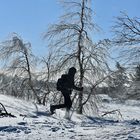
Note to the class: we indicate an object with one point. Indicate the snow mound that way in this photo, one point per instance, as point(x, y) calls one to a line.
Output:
point(33, 122)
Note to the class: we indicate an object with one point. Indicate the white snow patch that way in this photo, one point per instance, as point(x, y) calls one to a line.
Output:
point(39, 125)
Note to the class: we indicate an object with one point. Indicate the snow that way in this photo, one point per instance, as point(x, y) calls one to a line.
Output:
point(33, 122)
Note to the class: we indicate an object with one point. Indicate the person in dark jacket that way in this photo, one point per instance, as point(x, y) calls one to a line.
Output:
point(66, 92)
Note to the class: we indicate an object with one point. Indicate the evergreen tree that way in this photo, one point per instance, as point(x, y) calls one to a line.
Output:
point(117, 81)
point(134, 90)
point(137, 73)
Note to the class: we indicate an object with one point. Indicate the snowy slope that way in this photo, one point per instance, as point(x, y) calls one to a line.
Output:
point(39, 125)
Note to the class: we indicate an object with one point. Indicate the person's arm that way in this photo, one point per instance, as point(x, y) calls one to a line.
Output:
point(74, 86)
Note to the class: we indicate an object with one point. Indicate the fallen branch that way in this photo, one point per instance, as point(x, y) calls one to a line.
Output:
point(5, 113)
point(111, 112)
point(22, 115)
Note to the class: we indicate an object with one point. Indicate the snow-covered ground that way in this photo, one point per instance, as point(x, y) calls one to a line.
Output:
point(33, 122)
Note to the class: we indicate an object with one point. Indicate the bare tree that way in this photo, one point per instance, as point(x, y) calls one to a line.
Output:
point(71, 41)
point(19, 59)
point(46, 75)
point(127, 34)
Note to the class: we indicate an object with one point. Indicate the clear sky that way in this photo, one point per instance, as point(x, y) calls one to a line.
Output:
point(30, 18)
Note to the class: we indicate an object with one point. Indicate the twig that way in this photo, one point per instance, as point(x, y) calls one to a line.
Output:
point(111, 112)
point(22, 115)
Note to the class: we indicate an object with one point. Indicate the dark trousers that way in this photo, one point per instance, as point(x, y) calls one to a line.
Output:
point(67, 101)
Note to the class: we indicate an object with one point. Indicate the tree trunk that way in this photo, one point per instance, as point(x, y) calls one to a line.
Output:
point(80, 60)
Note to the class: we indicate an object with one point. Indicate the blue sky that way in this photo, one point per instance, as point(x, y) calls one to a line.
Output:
point(30, 18)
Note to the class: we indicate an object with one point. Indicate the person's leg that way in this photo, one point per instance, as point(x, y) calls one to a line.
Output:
point(53, 107)
point(68, 104)
point(67, 101)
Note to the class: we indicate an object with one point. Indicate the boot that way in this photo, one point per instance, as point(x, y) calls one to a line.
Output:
point(52, 109)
